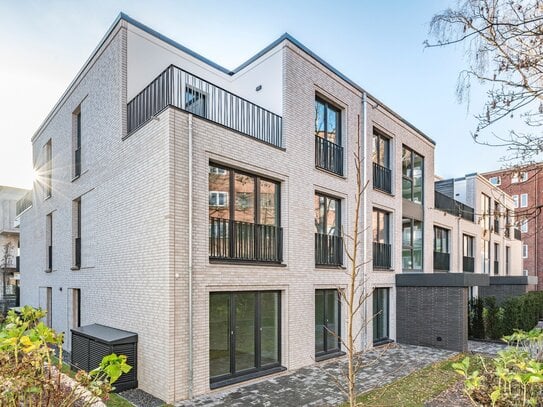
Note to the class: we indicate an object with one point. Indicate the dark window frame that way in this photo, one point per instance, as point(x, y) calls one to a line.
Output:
point(376, 318)
point(411, 247)
point(445, 237)
point(411, 179)
point(468, 245)
point(247, 374)
point(385, 142)
point(338, 214)
point(329, 351)
point(387, 216)
point(329, 105)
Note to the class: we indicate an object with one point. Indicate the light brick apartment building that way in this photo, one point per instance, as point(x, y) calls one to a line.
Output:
point(523, 185)
point(9, 246)
point(202, 209)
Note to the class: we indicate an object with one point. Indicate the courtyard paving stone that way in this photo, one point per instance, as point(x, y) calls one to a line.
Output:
point(314, 386)
point(487, 348)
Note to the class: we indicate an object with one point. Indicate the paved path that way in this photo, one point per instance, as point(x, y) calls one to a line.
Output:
point(488, 348)
point(314, 386)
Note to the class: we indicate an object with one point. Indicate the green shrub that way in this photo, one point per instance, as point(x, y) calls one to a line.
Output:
point(488, 320)
point(29, 375)
point(513, 378)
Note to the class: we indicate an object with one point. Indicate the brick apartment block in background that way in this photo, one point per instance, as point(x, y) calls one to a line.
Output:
point(202, 209)
point(525, 185)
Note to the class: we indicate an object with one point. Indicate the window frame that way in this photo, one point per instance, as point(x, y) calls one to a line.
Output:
point(411, 179)
point(524, 251)
point(443, 238)
point(498, 180)
point(329, 105)
point(411, 247)
point(329, 351)
point(524, 200)
point(376, 318)
point(384, 148)
point(468, 246)
point(337, 213)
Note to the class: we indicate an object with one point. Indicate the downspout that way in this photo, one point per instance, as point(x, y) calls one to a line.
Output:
point(191, 372)
point(365, 184)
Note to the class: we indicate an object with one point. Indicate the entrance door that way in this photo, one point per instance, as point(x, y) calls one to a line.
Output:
point(327, 322)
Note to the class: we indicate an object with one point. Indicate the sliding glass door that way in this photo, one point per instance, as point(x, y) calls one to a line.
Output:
point(380, 314)
point(244, 333)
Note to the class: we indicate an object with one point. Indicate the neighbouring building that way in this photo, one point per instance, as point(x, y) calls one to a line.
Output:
point(204, 209)
point(523, 184)
point(9, 246)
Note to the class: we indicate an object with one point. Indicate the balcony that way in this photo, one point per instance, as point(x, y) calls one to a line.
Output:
point(175, 87)
point(442, 261)
point(517, 234)
point(328, 250)
point(24, 203)
point(382, 178)
point(242, 241)
point(382, 255)
point(468, 264)
point(453, 207)
point(328, 156)
point(496, 267)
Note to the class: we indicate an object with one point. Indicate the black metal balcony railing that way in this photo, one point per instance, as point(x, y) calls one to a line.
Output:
point(517, 234)
point(449, 205)
point(77, 163)
point(468, 264)
point(231, 240)
point(382, 255)
point(496, 267)
point(77, 252)
point(328, 155)
point(24, 203)
point(382, 178)
point(442, 261)
point(175, 87)
point(50, 257)
point(328, 250)
point(496, 226)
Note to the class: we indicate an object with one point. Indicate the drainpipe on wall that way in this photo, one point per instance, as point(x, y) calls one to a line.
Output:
point(191, 372)
point(365, 183)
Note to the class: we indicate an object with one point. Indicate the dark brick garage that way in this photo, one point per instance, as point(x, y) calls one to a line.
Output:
point(431, 308)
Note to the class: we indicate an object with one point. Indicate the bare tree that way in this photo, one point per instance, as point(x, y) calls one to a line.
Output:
point(503, 42)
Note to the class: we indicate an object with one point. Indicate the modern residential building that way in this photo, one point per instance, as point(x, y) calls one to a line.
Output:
point(207, 211)
point(9, 246)
point(523, 184)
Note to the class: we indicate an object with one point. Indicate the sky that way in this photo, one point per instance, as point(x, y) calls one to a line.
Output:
point(379, 45)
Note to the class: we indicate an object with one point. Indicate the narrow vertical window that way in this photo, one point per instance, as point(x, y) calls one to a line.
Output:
point(49, 241)
point(507, 260)
point(77, 233)
point(328, 149)
point(327, 322)
point(441, 249)
point(77, 143)
point(468, 252)
point(412, 173)
point(486, 215)
point(382, 179)
point(328, 240)
point(496, 259)
point(49, 307)
point(412, 241)
point(48, 169)
point(76, 307)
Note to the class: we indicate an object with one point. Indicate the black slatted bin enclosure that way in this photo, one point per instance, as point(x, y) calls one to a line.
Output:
point(91, 343)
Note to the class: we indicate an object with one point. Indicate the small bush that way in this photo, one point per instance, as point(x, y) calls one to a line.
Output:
point(30, 377)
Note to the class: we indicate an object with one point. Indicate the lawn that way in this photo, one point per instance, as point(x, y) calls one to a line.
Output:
point(416, 388)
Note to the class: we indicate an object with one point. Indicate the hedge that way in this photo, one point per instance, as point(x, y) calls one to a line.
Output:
point(488, 320)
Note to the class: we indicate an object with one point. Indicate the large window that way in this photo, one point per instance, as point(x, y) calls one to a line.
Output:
point(381, 239)
point(244, 216)
point(328, 242)
point(441, 249)
point(468, 253)
point(244, 334)
point(382, 178)
point(412, 173)
point(485, 256)
point(381, 303)
point(486, 215)
point(327, 322)
point(328, 149)
point(411, 244)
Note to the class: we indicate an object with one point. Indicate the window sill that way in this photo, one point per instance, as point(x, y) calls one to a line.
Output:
point(327, 356)
point(249, 376)
point(48, 271)
point(383, 269)
point(75, 178)
point(75, 268)
point(246, 263)
point(382, 342)
point(383, 191)
point(330, 267)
